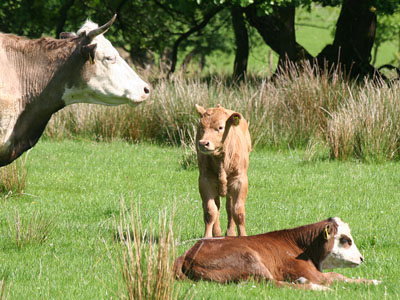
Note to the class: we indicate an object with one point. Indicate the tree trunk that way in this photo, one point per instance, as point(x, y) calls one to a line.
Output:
point(242, 43)
point(277, 30)
point(63, 17)
point(354, 39)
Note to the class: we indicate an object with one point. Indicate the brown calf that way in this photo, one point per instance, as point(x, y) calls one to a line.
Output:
point(223, 145)
point(296, 255)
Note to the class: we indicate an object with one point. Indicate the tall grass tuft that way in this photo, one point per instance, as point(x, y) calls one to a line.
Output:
point(367, 125)
point(29, 229)
point(13, 177)
point(3, 295)
point(145, 258)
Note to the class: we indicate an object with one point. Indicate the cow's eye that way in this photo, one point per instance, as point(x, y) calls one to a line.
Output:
point(345, 240)
point(110, 59)
point(220, 128)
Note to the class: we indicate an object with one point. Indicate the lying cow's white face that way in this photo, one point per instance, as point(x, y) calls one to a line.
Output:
point(109, 80)
point(345, 252)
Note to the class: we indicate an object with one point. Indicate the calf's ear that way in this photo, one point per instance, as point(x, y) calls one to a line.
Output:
point(234, 119)
point(200, 109)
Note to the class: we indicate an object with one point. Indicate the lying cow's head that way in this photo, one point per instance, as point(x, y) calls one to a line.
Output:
point(213, 128)
point(344, 252)
point(106, 78)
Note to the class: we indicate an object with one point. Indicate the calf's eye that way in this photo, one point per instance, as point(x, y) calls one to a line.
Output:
point(221, 128)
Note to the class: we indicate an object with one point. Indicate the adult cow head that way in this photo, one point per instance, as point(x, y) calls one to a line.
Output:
point(106, 78)
point(46, 74)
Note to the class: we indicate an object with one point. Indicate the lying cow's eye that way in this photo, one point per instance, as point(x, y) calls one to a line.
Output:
point(221, 128)
point(345, 240)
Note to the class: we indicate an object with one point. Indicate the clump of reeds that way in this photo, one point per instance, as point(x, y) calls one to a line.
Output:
point(29, 229)
point(13, 177)
point(3, 295)
point(189, 155)
point(367, 125)
point(300, 105)
point(145, 258)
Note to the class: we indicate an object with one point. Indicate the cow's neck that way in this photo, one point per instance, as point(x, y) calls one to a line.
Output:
point(41, 83)
point(36, 63)
point(311, 242)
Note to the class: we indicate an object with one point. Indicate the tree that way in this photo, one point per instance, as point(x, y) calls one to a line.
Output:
point(354, 37)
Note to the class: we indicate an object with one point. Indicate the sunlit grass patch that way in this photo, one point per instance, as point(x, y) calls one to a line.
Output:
point(24, 230)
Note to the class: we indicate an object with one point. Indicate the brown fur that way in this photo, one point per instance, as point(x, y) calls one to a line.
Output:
point(223, 171)
point(287, 255)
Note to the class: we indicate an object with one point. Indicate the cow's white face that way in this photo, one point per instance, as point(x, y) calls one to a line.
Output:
point(109, 80)
point(345, 252)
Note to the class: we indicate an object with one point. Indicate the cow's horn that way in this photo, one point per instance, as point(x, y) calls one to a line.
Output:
point(102, 29)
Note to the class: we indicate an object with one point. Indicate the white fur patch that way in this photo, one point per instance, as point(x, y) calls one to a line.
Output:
point(112, 81)
point(340, 256)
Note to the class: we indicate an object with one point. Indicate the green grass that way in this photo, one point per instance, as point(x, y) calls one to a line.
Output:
point(78, 185)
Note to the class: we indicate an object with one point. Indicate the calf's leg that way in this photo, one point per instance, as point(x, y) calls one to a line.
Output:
point(238, 191)
point(230, 231)
point(211, 204)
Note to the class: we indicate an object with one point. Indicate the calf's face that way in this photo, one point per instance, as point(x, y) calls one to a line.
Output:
point(344, 252)
point(213, 128)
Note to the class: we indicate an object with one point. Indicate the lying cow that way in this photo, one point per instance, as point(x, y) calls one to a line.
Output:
point(296, 255)
point(223, 145)
point(39, 77)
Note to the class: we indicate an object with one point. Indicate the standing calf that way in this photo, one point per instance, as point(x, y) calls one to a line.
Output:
point(296, 255)
point(223, 145)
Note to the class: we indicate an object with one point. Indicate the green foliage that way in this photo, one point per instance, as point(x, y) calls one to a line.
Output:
point(149, 39)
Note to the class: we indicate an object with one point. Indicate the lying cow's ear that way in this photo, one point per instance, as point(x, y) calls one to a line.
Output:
point(88, 52)
point(234, 119)
point(67, 35)
point(200, 109)
point(327, 232)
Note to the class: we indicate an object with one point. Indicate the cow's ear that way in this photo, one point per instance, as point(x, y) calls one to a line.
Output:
point(327, 232)
point(89, 52)
point(67, 35)
point(234, 119)
point(200, 109)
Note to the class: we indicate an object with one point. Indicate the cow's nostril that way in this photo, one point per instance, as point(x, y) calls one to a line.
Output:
point(146, 90)
point(361, 259)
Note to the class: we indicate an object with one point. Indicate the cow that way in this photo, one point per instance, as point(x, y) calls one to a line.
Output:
point(296, 255)
point(39, 77)
point(223, 145)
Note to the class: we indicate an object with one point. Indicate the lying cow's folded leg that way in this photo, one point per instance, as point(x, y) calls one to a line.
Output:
point(332, 276)
point(302, 286)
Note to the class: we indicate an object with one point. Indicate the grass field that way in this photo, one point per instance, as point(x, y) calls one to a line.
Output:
point(77, 187)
